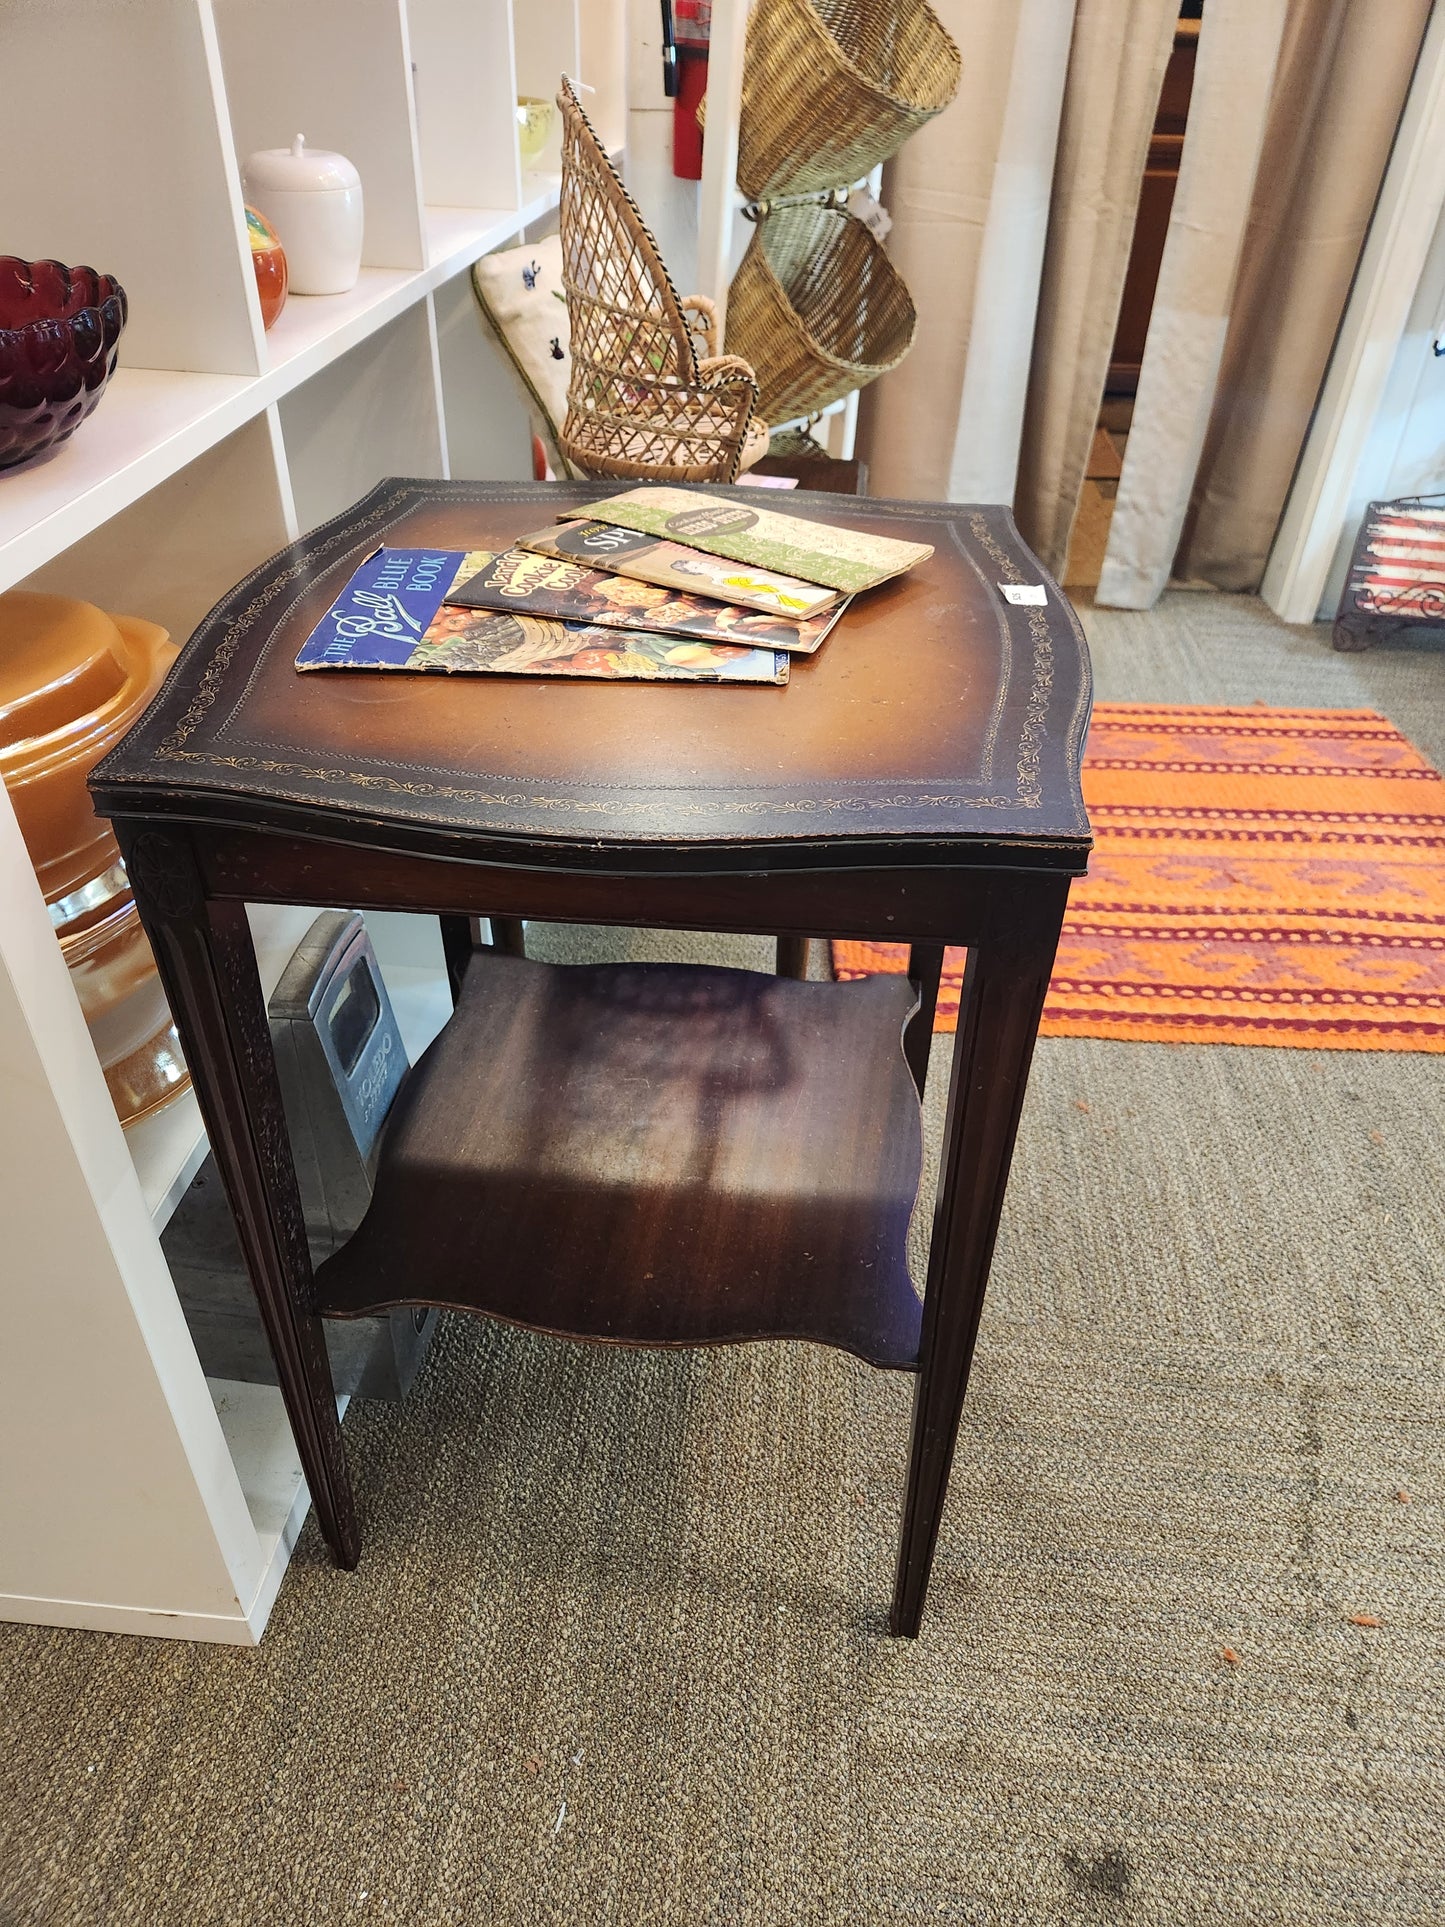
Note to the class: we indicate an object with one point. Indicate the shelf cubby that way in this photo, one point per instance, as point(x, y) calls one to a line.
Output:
point(548, 45)
point(489, 434)
point(375, 411)
point(602, 52)
point(336, 71)
point(116, 153)
point(171, 555)
point(466, 97)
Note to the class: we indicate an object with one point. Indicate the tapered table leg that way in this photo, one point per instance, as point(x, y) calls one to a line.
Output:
point(925, 969)
point(509, 935)
point(1003, 994)
point(792, 957)
point(460, 937)
point(208, 966)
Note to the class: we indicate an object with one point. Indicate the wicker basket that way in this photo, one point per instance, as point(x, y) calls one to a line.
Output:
point(817, 308)
point(832, 87)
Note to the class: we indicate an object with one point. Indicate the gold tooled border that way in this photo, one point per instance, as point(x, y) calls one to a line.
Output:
point(343, 530)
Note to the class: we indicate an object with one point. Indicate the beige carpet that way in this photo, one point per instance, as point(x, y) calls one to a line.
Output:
point(616, 1650)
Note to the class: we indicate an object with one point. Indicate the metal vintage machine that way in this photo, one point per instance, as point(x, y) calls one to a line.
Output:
point(341, 1062)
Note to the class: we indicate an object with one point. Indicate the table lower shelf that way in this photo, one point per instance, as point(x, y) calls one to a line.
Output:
point(653, 1154)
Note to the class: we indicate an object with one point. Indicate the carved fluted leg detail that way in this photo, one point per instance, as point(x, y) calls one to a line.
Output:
point(460, 937)
point(509, 935)
point(208, 966)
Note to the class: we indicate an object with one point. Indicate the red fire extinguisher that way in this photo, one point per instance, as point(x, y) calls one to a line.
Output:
point(686, 27)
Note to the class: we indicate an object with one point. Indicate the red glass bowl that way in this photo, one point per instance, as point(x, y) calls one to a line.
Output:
point(59, 329)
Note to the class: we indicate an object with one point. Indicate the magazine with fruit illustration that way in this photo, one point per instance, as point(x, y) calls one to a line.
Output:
point(393, 614)
point(598, 545)
point(519, 582)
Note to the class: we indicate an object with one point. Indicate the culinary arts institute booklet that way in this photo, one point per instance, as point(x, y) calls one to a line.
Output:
point(523, 583)
point(394, 614)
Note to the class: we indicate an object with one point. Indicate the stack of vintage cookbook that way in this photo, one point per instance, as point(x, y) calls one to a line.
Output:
point(658, 584)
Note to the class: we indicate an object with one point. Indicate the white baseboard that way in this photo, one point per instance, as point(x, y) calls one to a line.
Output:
point(258, 1433)
point(260, 1439)
point(87, 1615)
point(227, 1629)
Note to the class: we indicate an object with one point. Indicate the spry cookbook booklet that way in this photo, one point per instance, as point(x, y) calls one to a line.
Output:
point(523, 582)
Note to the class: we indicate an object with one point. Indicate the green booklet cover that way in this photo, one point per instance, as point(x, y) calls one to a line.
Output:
point(822, 552)
point(522, 583)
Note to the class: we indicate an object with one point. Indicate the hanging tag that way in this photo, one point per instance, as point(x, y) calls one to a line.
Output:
point(876, 218)
point(1024, 595)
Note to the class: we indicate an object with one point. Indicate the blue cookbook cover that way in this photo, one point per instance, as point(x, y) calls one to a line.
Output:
point(393, 614)
point(384, 610)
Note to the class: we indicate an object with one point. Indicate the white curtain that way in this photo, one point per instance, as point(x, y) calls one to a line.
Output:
point(1237, 349)
point(1012, 219)
point(990, 424)
point(1344, 74)
point(946, 191)
point(1295, 106)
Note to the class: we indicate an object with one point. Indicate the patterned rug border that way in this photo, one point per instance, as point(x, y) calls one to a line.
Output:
point(1315, 950)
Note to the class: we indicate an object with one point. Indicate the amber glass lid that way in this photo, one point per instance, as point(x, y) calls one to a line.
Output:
point(60, 662)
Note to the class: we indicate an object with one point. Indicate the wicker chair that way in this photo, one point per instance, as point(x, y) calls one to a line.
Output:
point(641, 404)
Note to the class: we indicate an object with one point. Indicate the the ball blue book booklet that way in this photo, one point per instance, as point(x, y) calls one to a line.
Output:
point(394, 614)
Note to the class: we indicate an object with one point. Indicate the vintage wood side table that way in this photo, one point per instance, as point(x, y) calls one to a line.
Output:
point(640, 1154)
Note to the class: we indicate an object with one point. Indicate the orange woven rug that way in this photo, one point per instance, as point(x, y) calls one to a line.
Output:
point(1259, 876)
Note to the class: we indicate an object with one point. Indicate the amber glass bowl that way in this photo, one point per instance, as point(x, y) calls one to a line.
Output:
point(59, 328)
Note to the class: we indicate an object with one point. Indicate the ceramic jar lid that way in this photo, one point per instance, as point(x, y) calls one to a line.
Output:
point(72, 681)
point(298, 169)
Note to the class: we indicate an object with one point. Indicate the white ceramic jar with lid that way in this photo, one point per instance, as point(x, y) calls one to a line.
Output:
point(313, 200)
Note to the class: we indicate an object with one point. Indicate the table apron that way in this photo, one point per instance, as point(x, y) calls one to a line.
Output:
point(893, 902)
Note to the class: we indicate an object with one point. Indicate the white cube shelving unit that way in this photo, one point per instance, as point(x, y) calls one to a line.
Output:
point(132, 1497)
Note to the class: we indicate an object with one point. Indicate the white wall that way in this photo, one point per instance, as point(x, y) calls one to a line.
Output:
point(669, 206)
point(1405, 453)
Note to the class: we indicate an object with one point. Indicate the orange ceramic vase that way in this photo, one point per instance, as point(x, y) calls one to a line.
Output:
point(72, 681)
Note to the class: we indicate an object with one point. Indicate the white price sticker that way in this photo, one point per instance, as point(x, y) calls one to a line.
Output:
point(1024, 595)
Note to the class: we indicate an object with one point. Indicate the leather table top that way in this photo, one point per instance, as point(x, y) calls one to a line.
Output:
point(936, 717)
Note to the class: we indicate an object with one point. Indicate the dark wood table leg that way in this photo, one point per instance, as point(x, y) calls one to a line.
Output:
point(460, 937)
point(509, 935)
point(925, 968)
point(208, 966)
point(1003, 994)
point(793, 957)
